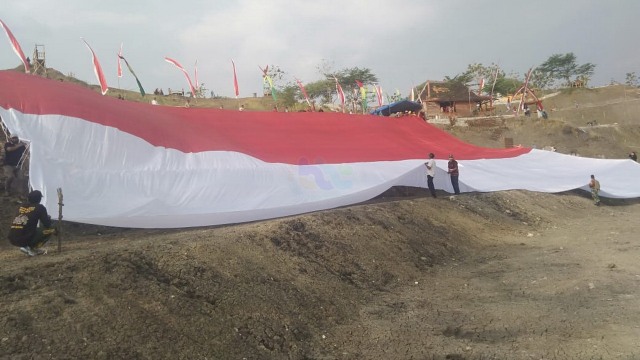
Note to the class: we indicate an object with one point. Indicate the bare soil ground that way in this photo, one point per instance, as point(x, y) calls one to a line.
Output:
point(509, 275)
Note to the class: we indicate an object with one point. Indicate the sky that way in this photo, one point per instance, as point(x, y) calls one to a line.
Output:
point(402, 42)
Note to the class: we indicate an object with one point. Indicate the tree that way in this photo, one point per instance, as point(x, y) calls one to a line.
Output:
point(288, 95)
point(504, 84)
point(278, 78)
point(325, 89)
point(562, 67)
point(541, 79)
point(321, 89)
point(631, 79)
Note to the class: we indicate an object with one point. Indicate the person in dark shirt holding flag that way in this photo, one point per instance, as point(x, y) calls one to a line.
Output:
point(452, 169)
point(13, 151)
point(25, 231)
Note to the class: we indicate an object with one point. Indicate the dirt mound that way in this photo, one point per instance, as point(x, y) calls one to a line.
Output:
point(370, 281)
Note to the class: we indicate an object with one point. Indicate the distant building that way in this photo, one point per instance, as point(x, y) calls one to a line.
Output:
point(451, 98)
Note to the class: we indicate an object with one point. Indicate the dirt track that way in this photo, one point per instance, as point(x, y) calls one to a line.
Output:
point(512, 275)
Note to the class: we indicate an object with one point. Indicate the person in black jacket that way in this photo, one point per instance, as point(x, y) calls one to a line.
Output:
point(13, 150)
point(25, 231)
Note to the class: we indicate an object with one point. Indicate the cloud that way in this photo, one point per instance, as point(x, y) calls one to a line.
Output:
point(403, 42)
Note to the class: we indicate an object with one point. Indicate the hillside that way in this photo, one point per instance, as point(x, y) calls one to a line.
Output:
point(510, 275)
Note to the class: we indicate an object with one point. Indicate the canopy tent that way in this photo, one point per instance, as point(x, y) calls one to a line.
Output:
point(396, 107)
point(131, 164)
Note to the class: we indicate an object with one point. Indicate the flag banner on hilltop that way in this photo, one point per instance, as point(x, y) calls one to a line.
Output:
point(142, 92)
point(186, 74)
point(363, 95)
point(16, 47)
point(304, 92)
point(236, 89)
point(195, 75)
point(340, 93)
point(378, 89)
point(266, 79)
point(131, 164)
point(119, 63)
point(97, 69)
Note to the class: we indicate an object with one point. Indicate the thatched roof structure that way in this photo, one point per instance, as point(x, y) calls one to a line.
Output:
point(439, 91)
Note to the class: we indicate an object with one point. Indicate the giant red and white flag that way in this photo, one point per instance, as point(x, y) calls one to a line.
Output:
point(97, 69)
point(16, 47)
point(130, 164)
point(186, 74)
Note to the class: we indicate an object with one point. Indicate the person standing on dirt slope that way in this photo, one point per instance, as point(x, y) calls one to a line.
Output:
point(633, 156)
point(595, 189)
point(454, 173)
point(13, 151)
point(25, 231)
point(431, 173)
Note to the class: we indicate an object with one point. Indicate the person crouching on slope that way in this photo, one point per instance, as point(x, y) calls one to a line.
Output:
point(594, 185)
point(25, 231)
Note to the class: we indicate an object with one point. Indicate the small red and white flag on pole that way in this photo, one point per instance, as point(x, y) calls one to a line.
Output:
point(16, 47)
point(177, 64)
point(97, 69)
point(481, 86)
point(236, 90)
point(119, 64)
point(340, 93)
point(379, 94)
point(195, 73)
point(304, 92)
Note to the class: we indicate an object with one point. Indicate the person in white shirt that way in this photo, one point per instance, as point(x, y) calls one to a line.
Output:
point(431, 173)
